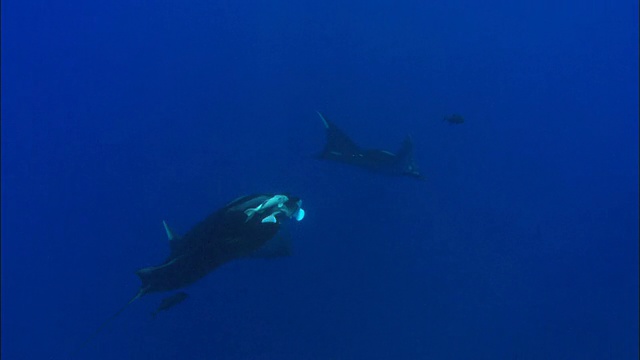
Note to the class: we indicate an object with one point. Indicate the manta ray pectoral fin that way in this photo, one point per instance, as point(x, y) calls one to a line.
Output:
point(278, 246)
point(170, 234)
point(145, 272)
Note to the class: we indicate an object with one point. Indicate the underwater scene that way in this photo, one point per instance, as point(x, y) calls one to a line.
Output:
point(319, 180)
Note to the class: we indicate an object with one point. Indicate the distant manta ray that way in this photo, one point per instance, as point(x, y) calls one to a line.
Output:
point(244, 228)
point(339, 147)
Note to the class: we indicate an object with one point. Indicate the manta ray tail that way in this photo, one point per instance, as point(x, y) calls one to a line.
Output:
point(109, 320)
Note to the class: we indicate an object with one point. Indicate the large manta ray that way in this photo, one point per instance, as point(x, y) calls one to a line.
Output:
point(237, 230)
point(243, 228)
point(339, 147)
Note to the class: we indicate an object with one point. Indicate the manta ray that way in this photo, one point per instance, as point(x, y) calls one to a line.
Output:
point(339, 147)
point(244, 228)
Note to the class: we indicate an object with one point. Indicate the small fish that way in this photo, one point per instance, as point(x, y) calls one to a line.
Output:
point(170, 302)
point(454, 119)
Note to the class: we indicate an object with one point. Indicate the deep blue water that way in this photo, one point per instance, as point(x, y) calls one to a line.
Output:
point(522, 243)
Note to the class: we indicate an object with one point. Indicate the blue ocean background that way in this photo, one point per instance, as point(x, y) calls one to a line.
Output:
point(521, 244)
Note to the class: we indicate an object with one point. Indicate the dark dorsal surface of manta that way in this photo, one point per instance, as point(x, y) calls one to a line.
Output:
point(339, 147)
point(244, 228)
point(237, 230)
